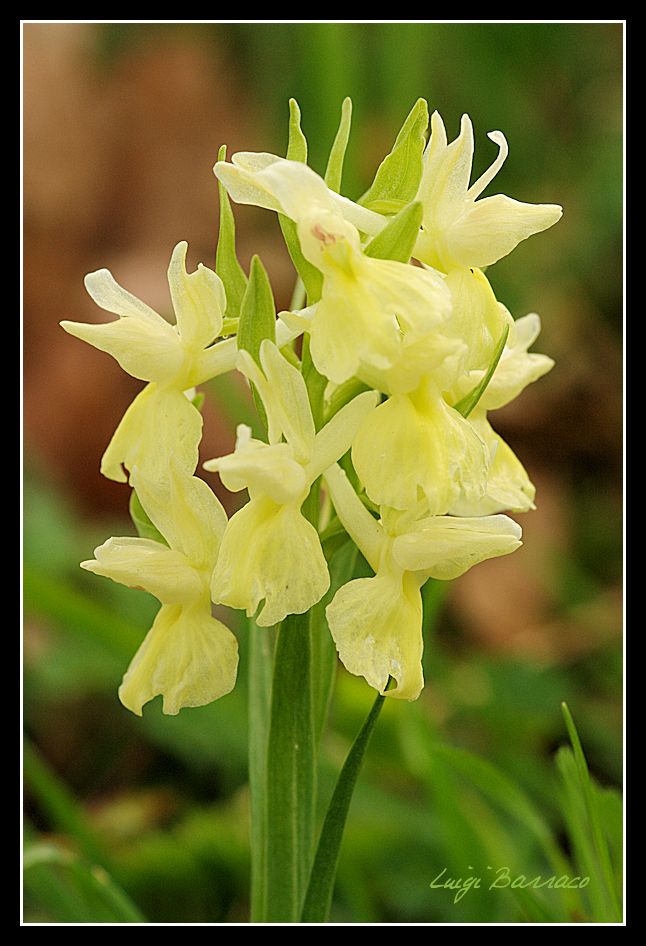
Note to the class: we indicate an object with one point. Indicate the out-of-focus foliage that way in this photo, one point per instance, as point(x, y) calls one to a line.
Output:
point(473, 775)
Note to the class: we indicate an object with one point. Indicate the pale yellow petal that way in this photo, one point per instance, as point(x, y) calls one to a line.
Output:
point(446, 174)
point(109, 295)
point(517, 368)
point(185, 510)
point(187, 656)
point(476, 316)
point(289, 399)
point(445, 547)
point(198, 298)
point(335, 438)
point(289, 187)
point(508, 485)
point(363, 529)
point(244, 182)
point(491, 228)
point(150, 351)
point(150, 566)
point(160, 423)
point(368, 317)
point(270, 552)
point(376, 624)
point(213, 361)
point(264, 469)
point(407, 448)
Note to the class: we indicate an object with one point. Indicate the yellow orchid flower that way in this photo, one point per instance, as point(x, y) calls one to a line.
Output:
point(188, 656)
point(374, 315)
point(376, 622)
point(457, 228)
point(269, 550)
point(416, 445)
point(161, 421)
point(508, 485)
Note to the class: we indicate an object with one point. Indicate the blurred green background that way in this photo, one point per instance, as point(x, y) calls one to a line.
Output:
point(122, 124)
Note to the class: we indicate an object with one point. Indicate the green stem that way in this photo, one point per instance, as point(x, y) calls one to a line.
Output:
point(261, 642)
point(318, 898)
point(291, 774)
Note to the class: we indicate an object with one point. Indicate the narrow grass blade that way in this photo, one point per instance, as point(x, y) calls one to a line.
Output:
point(586, 826)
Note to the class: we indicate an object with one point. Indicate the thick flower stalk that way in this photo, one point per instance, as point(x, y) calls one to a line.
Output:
point(376, 622)
point(161, 421)
point(270, 552)
point(188, 656)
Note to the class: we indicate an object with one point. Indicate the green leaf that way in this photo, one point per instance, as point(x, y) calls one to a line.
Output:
point(586, 825)
point(297, 151)
point(258, 311)
point(145, 528)
point(334, 170)
point(291, 774)
point(399, 174)
point(226, 261)
point(318, 898)
point(257, 320)
point(297, 142)
point(469, 401)
point(397, 240)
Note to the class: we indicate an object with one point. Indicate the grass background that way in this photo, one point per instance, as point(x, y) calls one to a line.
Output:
point(122, 123)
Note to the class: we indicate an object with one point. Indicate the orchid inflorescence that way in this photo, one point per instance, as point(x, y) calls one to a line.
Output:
point(410, 350)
